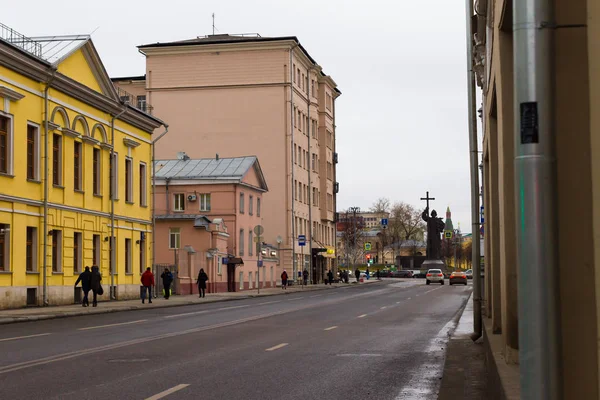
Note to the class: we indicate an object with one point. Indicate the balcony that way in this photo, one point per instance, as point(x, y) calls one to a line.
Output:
point(336, 187)
point(335, 158)
point(138, 102)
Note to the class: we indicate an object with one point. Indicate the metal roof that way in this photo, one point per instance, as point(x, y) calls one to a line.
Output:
point(205, 168)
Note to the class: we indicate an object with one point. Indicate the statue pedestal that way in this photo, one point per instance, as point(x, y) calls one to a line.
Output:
point(433, 264)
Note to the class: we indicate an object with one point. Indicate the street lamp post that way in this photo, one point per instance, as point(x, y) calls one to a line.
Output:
point(354, 211)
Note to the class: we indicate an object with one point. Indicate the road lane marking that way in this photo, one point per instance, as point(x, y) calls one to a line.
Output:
point(297, 298)
point(330, 328)
point(360, 355)
point(279, 346)
point(24, 337)
point(231, 308)
point(317, 295)
point(399, 302)
point(409, 298)
point(362, 316)
point(268, 302)
point(168, 392)
point(429, 291)
point(111, 325)
point(383, 308)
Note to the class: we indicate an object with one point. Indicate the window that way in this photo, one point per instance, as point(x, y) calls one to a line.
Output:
point(298, 76)
point(295, 190)
point(141, 103)
point(57, 160)
point(241, 203)
point(96, 250)
point(294, 155)
point(114, 187)
point(128, 180)
point(143, 185)
point(56, 250)
point(128, 256)
point(312, 86)
point(299, 156)
point(251, 205)
point(250, 242)
point(314, 162)
point(307, 161)
point(294, 117)
point(329, 140)
point(258, 207)
point(179, 202)
point(33, 141)
point(329, 171)
point(329, 202)
point(174, 238)
point(219, 265)
point(315, 197)
point(241, 244)
point(205, 202)
point(77, 252)
point(306, 199)
point(294, 69)
point(96, 171)
point(142, 256)
point(4, 247)
point(77, 165)
point(31, 249)
point(5, 145)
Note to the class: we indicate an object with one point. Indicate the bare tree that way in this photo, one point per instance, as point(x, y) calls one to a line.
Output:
point(353, 238)
point(381, 206)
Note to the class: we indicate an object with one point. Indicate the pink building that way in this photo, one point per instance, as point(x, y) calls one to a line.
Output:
point(206, 214)
point(236, 95)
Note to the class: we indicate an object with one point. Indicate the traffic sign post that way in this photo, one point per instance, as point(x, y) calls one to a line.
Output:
point(258, 231)
point(368, 246)
point(302, 243)
point(384, 222)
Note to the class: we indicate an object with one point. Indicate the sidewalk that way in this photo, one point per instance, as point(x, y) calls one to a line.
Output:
point(465, 374)
point(42, 313)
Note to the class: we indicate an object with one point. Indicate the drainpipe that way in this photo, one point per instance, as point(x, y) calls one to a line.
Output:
point(310, 195)
point(536, 196)
point(154, 195)
point(292, 160)
point(474, 158)
point(46, 190)
point(115, 187)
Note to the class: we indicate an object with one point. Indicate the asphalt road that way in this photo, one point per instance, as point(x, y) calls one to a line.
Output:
point(377, 341)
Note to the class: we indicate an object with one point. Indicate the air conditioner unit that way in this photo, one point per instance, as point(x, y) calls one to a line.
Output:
point(192, 197)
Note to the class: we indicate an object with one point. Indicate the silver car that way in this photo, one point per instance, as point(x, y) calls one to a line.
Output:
point(435, 275)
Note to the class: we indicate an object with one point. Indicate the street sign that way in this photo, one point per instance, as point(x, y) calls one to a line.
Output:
point(368, 246)
point(301, 240)
point(259, 230)
point(384, 222)
point(482, 215)
point(259, 263)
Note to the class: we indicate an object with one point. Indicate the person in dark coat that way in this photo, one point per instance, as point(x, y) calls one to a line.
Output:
point(84, 278)
point(357, 274)
point(284, 279)
point(330, 277)
point(95, 279)
point(167, 278)
point(305, 277)
point(201, 282)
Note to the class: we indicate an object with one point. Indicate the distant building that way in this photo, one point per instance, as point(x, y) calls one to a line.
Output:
point(245, 94)
point(206, 213)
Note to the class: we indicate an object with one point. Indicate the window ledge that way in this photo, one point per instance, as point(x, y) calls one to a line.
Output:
point(178, 211)
point(5, 272)
point(6, 175)
point(58, 186)
point(144, 205)
point(128, 273)
point(129, 202)
point(58, 273)
point(98, 195)
point(32, 272)
point(79, 191)
point(34, 180)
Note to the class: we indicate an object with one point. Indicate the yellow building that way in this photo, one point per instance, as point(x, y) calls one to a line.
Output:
point(57, 106)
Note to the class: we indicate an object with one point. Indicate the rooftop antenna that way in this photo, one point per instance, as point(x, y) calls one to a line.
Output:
point(213, 17)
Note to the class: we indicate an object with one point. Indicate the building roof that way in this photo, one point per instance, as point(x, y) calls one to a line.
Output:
point(232, 39)
point(210, 169)
point(129, 78)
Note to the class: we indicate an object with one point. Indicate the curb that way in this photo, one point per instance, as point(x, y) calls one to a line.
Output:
point(33, 318)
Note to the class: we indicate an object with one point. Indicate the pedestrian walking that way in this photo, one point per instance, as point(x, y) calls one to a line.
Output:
point(85, 279)
point(357, 274)
point(347, 276)
point(377, 274)
point(330, 277)
point(284, 279)
point(305, 277)
point(95, 285)
point(201, 282)
point(147, 280)
point(167, 279)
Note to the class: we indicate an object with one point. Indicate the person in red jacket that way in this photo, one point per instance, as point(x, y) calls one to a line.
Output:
point(147, 283)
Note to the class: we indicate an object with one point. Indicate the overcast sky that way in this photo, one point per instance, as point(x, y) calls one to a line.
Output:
point(400, 64)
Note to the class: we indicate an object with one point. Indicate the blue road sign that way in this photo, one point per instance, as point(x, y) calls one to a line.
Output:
point(301, 240)
point(384, 221)
point(259, 263)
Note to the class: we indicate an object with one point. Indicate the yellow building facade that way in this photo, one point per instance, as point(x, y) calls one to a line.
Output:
point(56, 143)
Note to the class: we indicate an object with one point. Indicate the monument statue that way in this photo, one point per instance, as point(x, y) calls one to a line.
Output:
point(435, 226)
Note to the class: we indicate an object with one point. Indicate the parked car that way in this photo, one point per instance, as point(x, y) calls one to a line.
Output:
point(435, 275)
point(469, 273)
point(458, 277)
point(402, 274)
point(419, 274)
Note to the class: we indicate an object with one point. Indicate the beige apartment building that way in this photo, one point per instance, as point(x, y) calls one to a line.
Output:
point(575, 120)
point(236, 95)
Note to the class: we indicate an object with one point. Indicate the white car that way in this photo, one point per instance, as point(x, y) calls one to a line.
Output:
point(435, 275)
point(469, 273)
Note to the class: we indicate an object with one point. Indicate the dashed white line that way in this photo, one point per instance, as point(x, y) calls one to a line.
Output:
point(168, 392)
point(297, 298)
point(268, 302)
point(317, 295)
point(330, 328)
point(399, 302)
point(409, 298)
point(383, 308)
point(279, 346)
point(362, 316)
point(24, 337)
point(111, 325)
